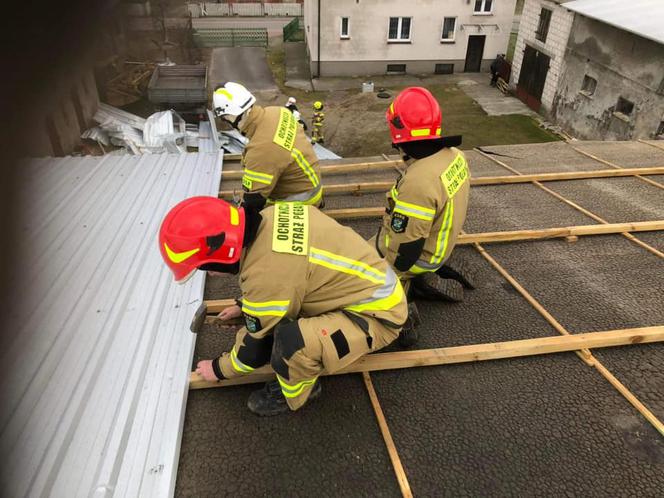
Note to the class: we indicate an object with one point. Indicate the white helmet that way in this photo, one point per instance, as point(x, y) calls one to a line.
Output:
point(232, 98)
point(291, 100)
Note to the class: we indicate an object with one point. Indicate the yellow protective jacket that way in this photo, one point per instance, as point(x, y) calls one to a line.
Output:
point(426, 209)
point(279, 162)
point(302, 263)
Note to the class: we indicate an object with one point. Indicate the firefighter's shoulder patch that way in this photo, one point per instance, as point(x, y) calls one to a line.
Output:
point(399, 222)
point(252, 323)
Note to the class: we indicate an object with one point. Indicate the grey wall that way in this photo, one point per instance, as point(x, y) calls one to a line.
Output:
point(624, 65)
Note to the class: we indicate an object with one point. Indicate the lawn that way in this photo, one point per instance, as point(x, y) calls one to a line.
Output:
point(355, 122)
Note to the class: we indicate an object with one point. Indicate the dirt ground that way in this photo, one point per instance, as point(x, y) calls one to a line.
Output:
point(355, 122)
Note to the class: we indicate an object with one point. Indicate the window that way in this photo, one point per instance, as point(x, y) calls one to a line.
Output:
point(624, 109)
point(449, 29)
point(543, 27)
point(589, 85)
point(624, 106)
point(483, 6)
point(399, 29)
point(444, 69)
point(396, 69)
point(345, 27)
point(660, 130)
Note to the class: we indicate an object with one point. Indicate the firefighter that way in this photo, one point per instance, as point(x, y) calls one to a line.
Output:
point(315, 295)
point(317, 123)
point(279, 163)
point(426, 208)
point(291, 105)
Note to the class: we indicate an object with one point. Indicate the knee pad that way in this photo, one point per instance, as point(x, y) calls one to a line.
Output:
point(288, 340)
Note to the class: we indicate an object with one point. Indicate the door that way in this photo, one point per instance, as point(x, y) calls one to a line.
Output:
point(474, 53)
point(532, 78)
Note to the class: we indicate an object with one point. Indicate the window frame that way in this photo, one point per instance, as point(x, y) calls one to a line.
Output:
point(538, 31)
point(399, 28)
point(454, 31)
point(620, 114)
point(584, 91)
point(394, 72)
point(343, 36)
point(483, 11)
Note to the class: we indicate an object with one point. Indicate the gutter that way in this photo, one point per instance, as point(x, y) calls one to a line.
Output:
point(318, 46)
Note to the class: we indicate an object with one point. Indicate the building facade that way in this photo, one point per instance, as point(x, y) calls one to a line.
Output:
point(612, 84)
point(540, 49)
point(372, 37)
point(595, 67)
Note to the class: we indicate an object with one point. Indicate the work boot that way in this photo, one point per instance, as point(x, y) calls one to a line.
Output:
point(269, 400)
point(409, 334)
point(458, 270)
point(431, 287)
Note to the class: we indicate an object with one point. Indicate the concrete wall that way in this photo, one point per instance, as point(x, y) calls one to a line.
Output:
point(554, 47)
point(368, 51)
point(624, 65)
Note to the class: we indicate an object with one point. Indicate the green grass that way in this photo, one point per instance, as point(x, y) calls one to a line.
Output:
point(461, 116)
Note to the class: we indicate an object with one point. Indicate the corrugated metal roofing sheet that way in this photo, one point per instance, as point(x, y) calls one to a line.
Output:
point(94, 376)
point(642, 17)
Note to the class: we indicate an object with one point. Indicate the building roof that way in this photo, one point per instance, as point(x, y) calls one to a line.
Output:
point(641, 17)
point(95, 373)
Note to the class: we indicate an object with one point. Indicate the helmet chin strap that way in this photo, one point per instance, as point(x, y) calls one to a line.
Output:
point(239, 120)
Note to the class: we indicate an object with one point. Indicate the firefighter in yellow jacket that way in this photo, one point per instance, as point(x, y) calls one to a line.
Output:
point(315, 295)
point(317, 133)
point(279, 163)
point(426, 208)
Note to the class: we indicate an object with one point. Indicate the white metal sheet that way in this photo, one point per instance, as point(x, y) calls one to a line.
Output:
point(642, 17)
point(94, 378)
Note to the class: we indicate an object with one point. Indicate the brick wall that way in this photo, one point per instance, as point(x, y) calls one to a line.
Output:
point(554, 47)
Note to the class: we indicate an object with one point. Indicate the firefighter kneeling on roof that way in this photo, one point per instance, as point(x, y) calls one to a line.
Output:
point(279, 163)
point(426, 207)
point(315, 295)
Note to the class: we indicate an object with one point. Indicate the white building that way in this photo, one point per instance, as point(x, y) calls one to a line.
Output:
point(365, 37)
point(540, 49)
point(595, 67)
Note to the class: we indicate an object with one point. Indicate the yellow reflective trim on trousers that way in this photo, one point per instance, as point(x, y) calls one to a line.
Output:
point(394, 193)
point(305, 166)
point(383, 304)
point(238, 365)
point(314, 199)
point(293, 391)
point(342, 264)
point(265, 308)
point(444, 233)
point(416, 270)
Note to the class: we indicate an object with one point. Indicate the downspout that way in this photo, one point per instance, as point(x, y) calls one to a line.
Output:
point(318, 32)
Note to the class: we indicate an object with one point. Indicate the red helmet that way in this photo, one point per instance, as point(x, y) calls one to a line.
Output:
point(414, 115)
point(201, 230)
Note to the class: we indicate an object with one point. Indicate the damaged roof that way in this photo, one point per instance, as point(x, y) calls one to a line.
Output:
point(641, 17)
